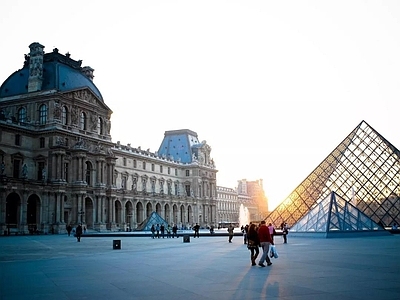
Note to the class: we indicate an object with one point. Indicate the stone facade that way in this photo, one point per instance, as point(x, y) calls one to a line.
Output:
point(59, 165)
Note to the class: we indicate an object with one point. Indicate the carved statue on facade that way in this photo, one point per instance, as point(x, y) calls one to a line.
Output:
point(24, 171)
point(44, 174)
point(93, 120)
point(74, 115)
point(57, 111)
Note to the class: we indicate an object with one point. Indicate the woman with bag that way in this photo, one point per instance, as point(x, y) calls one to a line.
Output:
point(253, 243)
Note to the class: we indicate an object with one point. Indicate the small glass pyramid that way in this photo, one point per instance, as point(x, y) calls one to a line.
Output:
point(153, 219)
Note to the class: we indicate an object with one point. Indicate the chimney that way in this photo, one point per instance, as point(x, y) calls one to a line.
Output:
point(35, 67)
point(88, 71)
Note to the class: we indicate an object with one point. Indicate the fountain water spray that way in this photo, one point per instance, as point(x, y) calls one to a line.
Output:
point(244, 215)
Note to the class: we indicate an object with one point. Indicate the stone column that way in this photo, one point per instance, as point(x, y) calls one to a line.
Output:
point(22, 226)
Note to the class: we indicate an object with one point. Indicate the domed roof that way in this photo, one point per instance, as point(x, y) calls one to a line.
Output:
point(60, 72)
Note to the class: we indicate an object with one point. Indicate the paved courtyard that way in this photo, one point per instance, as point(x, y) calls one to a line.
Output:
point(57, 267)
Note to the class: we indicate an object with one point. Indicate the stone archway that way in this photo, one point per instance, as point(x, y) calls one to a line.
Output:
point(139, 213)
point(13, 210)
point(149, 209)
point(33, 213)
point(167, 213)
point(129, 215)
point(89, 213)
point(118, 213)
point(158, 209)
point(175, 214)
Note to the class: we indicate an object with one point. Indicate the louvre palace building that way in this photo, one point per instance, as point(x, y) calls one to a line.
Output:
point(59, 165)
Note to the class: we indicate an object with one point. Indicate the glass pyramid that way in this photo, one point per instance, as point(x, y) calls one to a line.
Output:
point(364, 168)
point(335, 215)
point(154, 218)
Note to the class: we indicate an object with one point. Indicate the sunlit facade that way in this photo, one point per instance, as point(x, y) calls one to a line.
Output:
point(59, 165)
point(364, 170)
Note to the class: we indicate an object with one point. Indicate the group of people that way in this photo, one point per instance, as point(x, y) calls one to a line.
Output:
point(79, 230)
point(158, 231)
point(262, 237)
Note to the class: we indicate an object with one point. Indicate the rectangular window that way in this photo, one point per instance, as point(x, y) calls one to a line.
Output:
point(124, 161)
point(187, 173)
point(42, 114)
point(16, 168)
point(41, 142)
point(66, 172)
point(169, 170)
point(134, 163)
point(40, 169)
point(187, 188)
point(144, 165)
point(176, 172)
point(152, 167)
point(161, 169)
point(17, 140)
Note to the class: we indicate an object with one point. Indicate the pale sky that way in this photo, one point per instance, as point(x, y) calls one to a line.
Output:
point(272, 86)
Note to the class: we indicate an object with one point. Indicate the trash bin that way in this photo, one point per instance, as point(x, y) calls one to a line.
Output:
point(186, 238)
point(116, 244)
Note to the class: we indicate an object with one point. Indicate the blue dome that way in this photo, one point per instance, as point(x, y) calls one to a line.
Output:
point(59, 72)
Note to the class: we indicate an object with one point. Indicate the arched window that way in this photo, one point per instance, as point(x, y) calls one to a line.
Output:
point(83, 121)
point(22, 115)
point(100, 126)
point(42, 114)
point(64, 115)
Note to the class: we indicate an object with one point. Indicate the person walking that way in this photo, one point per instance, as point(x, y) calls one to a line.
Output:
point(253, 243)
point(175, 231)
point(265, 241)
point(69, 229)
point(196, 229)
point(158, 230)
point(78, 232)
point(162, 229)
point(285, 231)
point(169, 231)
point(153, 231)
point(245, 231)
point(230, 233)
point(271, 230)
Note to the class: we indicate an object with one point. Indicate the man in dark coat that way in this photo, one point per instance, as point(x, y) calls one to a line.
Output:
point(78, 232)
point(196, 229)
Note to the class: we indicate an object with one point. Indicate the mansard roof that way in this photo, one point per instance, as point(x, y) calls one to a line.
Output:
point(179, 144)
point(60, 72)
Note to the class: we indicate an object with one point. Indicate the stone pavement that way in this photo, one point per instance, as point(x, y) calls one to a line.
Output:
point(57, 267)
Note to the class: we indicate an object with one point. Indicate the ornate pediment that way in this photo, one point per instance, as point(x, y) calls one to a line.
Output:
point(86, 95)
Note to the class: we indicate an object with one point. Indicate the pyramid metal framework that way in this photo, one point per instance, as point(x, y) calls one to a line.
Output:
point(154, 218)
point(364, 169)
point(333, 217)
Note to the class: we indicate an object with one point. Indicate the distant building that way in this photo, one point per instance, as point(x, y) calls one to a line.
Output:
point(250, 194)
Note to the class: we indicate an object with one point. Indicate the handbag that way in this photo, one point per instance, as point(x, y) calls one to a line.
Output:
point(273, 253)
point(251, 244)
